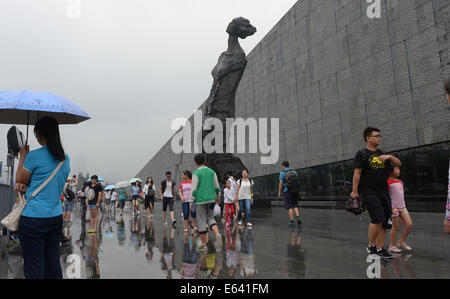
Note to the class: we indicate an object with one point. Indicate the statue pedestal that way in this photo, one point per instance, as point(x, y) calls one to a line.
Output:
point(222, 163)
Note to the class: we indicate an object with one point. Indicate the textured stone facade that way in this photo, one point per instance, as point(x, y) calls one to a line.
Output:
point(328, 71)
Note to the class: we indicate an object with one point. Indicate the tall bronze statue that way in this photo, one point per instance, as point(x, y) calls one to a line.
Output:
point(227, 74)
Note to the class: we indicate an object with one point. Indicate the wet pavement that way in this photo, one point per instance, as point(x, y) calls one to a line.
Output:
point(330, 244)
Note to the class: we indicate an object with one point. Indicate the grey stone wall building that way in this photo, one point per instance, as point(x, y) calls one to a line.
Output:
point(328, 71)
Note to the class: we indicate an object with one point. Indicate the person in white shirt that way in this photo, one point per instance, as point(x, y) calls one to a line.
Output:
point(167, 192)
point(229, 197)
point(149, 194)
point(243, 198)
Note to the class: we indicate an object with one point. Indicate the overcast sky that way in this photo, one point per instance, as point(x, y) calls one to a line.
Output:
point(132, 65)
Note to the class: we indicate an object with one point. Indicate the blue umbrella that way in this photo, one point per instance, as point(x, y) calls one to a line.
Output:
point(99, 179)
point(109, 187)
point(26, 107)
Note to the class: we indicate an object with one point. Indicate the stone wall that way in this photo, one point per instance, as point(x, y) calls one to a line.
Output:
point(328, 71)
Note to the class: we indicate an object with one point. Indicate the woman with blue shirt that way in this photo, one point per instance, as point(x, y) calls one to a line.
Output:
point(41, 222)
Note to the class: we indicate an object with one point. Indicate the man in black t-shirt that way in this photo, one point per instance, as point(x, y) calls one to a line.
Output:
point(370, 180)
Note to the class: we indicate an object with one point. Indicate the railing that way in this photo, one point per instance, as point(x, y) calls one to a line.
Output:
point(5, 201)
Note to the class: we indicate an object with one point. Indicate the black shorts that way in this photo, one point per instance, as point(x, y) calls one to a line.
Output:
point(167, 201)
point(149, 200)
point(121, 204)
point(290, 200)
point(379, 207)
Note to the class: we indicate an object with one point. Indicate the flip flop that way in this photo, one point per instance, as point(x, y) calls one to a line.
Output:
point(406, 247)
point(395, 249)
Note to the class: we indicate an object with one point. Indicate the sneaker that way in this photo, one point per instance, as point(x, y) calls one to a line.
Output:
point(299, 221)
point(372, 249)
point(173, 222)
point(291, 224)
point(249, 224)
point(240, 222)
point(139, 213)
point(384, 254)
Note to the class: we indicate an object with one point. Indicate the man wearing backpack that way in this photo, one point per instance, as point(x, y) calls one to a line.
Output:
point(370, 181)
point(69, 202)
point(289, 185)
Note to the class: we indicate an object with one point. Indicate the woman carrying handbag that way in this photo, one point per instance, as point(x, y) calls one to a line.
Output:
point(41, 175)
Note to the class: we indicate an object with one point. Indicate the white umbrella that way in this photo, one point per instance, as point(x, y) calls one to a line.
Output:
point(122, 184)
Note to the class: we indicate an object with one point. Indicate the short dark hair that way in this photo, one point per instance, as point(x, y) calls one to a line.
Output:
point(447, 85)
point(368, 132)
point(94, 177)
point(229, 173)
point(200, 159)
point(285, 164)
point(168, 172)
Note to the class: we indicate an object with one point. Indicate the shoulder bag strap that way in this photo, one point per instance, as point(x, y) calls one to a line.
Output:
point(42, 186)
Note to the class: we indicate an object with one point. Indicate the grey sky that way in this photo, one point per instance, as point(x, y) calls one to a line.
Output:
point(132, 65)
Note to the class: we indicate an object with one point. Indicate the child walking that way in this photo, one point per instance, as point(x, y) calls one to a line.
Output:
point(204, 191)
point(185, 195)
point(398, 211)
point(229, 195)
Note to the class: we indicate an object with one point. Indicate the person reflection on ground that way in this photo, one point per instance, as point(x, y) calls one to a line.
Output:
point(293, 265)
point(403, 260)
point(121, 232)
point(232, 255)
point(136, 232)
point(168, 256)
point(191, 266)
point(247, 258)
point(149, 239)
point(92, 265)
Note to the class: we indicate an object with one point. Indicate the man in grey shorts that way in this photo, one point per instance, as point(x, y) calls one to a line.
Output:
point(205, 189)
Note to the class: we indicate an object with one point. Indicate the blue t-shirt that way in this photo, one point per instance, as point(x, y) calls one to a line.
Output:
point(135, 190)
point(47, 203)
point(282, 176)
point(122, 195)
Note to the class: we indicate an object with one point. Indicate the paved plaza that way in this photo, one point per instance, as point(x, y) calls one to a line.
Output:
point(330, 244)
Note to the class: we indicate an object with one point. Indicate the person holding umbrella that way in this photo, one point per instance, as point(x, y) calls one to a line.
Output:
point(41, 222)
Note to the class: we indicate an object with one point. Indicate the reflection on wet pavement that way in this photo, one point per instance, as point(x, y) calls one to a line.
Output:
point(331, 244)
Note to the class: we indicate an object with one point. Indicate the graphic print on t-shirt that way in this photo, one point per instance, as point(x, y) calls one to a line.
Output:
point(375, 162)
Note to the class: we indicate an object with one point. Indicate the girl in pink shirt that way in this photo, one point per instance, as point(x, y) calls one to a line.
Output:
point(185, 195)
point(399, 210)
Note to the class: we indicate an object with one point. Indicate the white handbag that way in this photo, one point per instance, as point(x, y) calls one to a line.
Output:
point(11, 222)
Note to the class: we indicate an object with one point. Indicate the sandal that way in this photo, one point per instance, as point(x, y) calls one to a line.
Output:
point(404, 246)
point(395, 249)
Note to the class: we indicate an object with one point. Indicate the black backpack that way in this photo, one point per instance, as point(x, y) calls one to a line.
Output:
point(292, 181)
point(69, 194)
